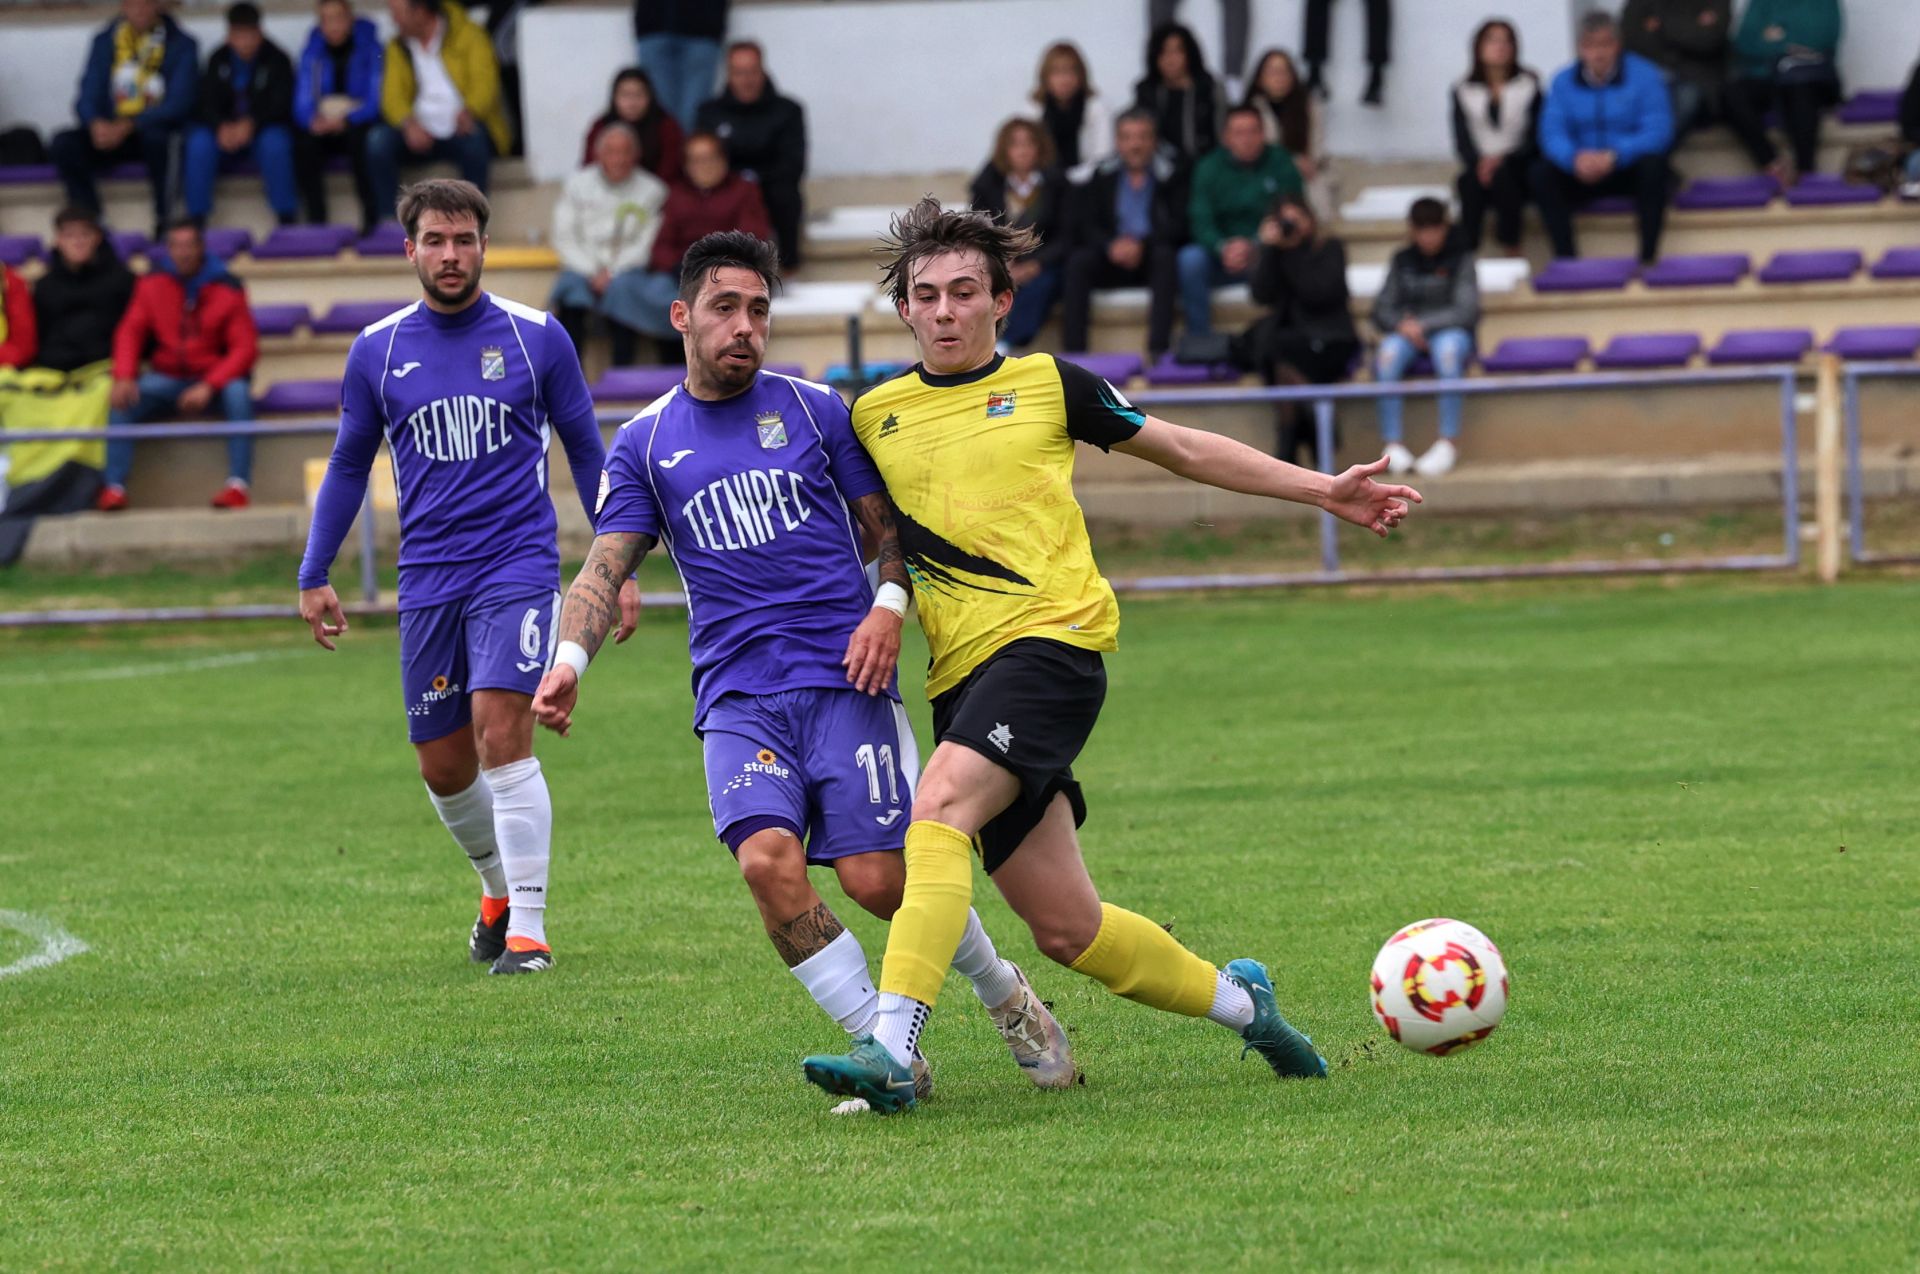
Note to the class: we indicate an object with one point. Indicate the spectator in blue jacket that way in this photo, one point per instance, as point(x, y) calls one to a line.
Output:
point(140, 87)
point(1606, 130)
point(246, 110)
point(336, 100)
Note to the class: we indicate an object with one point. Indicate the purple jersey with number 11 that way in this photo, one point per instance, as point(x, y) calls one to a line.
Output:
point(750, 494)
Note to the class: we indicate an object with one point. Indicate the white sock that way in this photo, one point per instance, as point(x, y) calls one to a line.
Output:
point(469, 816)
point(836, 977)
point(523, 826)
point(1232, 1006)
point(898, 1027)
point(994, 979)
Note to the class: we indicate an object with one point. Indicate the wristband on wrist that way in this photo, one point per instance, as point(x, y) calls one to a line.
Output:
point(892, 597)
point(574, 656)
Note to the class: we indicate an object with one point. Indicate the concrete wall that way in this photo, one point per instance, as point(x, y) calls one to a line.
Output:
point(907, 86)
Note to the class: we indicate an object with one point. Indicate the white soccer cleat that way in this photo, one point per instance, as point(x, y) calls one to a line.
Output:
point(1399, 459)
point(1438, 461)
point(1034, 1037)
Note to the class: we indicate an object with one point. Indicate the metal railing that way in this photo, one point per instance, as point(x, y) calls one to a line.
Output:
point(1851, 374)
point(1322, 398)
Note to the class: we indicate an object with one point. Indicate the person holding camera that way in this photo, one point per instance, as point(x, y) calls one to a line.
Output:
point(1307, 337)
point(1429, 304)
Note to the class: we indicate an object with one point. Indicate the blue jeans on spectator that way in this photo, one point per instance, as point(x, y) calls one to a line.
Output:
point(1032, 304)
point(683, 69)
point(159, 394)
point(387, 150)
point(272, 149)
point(1912, 171)
point(1200, 273)
point(1450, 348)
point(639, 299)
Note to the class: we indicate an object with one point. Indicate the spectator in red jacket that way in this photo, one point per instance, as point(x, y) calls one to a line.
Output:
point(709, 197)
point(189, 320)
point(18, 342)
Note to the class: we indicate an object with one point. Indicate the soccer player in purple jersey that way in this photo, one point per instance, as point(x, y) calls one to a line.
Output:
point(761, 493)
point(467, 388)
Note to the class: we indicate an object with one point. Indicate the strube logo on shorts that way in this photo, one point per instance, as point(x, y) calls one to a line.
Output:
point(439, 690)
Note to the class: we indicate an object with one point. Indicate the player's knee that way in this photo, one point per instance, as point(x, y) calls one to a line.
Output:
point(447, 775)
point(876, 889)
point(773, 863)
point(1062, 943)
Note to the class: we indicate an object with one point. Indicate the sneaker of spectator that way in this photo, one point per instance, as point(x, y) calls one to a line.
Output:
point(189, 320)
point(766, 139)
point(139, 89)
point(246, 111)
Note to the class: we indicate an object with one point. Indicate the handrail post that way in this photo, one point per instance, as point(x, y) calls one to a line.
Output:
point(1856, 479)
point(1826, 471)
point(1323, 456)
point(1790, 463)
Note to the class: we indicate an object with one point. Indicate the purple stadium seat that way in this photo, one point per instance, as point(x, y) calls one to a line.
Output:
point(1821, 265)
point(636, 384)
point(227, 242)
point(280, 320)
point(1825, 190)
point(300, 398)
point(294, 242)
point(1875, 342)
point(1756, 191)
point(1610, 205)
point(1871, 106)
point(388, 239)
point(1168, 372)
point(27, 174)
point(1707, 270)
point(1537, 354)
point(1898, 263)
point(1116, 369)
point(351, 316)
point(128, 244)
point(18, 249)
point(1585, 274)
point(1774, 345)
point(1643, 350)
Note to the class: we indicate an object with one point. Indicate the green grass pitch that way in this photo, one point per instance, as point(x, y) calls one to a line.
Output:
point(1689, 814)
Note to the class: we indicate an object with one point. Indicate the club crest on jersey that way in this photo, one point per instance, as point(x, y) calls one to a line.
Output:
point(1000, 404)
point(493, 363)
point(773, 430)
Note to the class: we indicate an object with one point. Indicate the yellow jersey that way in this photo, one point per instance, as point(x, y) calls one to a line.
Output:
point(979, 466)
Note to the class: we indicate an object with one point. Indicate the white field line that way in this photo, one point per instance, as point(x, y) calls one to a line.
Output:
point(154, 668)
point(56, 944)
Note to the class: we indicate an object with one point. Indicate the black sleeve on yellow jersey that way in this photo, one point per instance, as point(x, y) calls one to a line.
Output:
point(1097, 413)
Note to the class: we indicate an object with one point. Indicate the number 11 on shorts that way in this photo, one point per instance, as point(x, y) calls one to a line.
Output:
point(873, 760)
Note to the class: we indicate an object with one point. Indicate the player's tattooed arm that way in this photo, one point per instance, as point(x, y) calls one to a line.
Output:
point(806, 935)
point(593, 602)
point(875, 514)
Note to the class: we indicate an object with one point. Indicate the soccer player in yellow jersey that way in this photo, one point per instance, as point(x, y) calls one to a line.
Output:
point(976, 450)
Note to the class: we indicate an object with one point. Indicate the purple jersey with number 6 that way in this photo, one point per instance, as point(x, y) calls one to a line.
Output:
point(750, 495)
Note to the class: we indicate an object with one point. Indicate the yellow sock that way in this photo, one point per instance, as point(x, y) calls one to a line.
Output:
point(933, 912)
point(1135, 958)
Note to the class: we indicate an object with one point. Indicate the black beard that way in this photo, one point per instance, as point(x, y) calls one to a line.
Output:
point(450, 299)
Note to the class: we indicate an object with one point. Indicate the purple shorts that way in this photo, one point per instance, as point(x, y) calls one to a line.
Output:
point(837, 766)
point(490, 641)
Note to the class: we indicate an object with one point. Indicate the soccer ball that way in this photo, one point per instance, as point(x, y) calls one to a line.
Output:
point(1439, 986)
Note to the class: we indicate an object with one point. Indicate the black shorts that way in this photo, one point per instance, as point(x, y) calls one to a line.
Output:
point(1029, 709)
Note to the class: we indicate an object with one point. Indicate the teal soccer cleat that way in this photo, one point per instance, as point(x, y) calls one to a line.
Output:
point(1288, 1051)
point(868, 1072)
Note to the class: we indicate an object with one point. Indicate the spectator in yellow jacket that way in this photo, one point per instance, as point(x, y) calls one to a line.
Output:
point(439, 98)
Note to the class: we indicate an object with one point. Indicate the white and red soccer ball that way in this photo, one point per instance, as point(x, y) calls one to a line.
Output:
point(1439, 986)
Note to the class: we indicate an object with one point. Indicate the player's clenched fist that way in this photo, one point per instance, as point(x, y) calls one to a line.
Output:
point(553, 702)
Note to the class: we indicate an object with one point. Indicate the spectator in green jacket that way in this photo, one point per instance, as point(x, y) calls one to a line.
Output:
point(1784, 61)
point(1234, 190)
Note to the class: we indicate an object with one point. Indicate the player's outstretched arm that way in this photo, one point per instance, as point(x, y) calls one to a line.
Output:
point(593, 605)
point(874, 649)
point(1221, 462)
